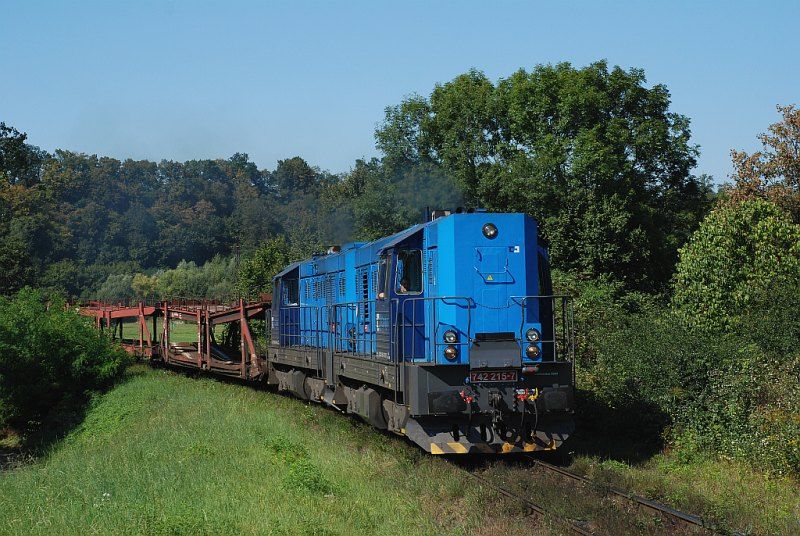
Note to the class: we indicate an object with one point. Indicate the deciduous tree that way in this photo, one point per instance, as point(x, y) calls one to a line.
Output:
point(595, 155)
point(257, 270)
point(774, 172)
point(738, 249)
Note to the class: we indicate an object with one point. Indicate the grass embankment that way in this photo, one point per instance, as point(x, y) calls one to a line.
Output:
point(163, 453)
point(726, 492)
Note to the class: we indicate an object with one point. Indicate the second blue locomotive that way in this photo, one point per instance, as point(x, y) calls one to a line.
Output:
point(447, 333)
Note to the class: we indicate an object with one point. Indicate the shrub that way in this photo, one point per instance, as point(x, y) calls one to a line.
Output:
point(735, 393)
point(258, 269)
point(773, 319)
point(601, 306)
point(214, 280)
point(48, 353)
point(774, 423)
point(737, 248)
point(116, 287)
point(657, 362)
point(773, 325)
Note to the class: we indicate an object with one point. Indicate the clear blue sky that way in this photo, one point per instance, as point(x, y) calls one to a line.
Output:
point(182, 80)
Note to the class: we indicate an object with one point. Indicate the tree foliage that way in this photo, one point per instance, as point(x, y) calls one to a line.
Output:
point(27, 231)
point(702, 391)
point(593, 154)
point(774, 172)
point(68, 221)
point(48, 353)
point(213, 280)
point(19, 162)
point(258, 269)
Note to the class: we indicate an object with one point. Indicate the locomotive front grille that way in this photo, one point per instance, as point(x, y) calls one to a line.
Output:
point(498, 336)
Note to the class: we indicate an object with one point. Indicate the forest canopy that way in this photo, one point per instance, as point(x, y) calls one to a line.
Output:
point(594, 154)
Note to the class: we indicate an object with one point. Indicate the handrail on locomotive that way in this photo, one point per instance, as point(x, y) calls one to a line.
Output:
point(292, 332)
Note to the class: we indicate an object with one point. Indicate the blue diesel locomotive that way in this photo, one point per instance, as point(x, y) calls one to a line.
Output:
point(446, 333)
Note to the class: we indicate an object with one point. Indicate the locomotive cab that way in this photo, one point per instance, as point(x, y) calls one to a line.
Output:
point(496, 366)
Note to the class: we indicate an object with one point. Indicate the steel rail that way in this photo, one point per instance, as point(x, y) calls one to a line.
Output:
point(530, 505)
point(690, 519)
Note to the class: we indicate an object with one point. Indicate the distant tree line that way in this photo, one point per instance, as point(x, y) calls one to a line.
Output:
point(593, 154)
point(70, 221)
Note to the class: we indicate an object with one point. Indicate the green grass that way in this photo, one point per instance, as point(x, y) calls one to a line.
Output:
point(166, 454)
point(163, 453)
point(724, 491)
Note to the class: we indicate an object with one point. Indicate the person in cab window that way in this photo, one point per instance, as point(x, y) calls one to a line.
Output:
point(409, 272)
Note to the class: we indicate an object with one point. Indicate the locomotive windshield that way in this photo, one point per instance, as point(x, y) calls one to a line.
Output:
point(409, 272)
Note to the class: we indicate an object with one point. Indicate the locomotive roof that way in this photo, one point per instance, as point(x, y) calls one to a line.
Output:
point(288, 269)
point(365, 252)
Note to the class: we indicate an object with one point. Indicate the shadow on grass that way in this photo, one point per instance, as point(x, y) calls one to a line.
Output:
point(633, 433)
point(38, 437)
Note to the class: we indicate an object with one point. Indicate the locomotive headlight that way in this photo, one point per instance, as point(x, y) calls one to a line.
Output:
point(450, 336)
point(533, 335)
point(532, 351)
point(490, 231)
point(451, 353)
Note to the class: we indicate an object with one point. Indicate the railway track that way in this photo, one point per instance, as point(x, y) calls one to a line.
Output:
point(691, 522)
point(575, 526)
point(662, 509)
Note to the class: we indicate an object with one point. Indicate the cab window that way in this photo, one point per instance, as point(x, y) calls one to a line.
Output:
point(408, 278)
point(291, 291)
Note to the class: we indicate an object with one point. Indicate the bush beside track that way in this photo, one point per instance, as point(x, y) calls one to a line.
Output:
point(714, 368)
point(49, 356)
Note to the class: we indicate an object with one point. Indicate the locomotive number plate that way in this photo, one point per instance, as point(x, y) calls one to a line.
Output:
point(493, 376)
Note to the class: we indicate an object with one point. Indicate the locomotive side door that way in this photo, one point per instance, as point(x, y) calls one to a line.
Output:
point(384, 310)
point(407, 291)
